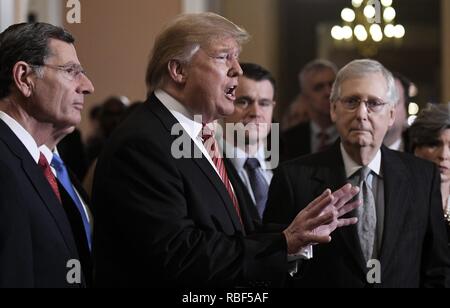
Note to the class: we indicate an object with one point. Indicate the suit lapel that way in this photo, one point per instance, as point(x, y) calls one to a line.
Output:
point(168, 120)
point(249, 213)
point(40, 184)
point(332, 175)
point(397, 194)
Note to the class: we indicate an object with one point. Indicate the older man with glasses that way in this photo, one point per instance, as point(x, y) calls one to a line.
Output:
point(400, 239)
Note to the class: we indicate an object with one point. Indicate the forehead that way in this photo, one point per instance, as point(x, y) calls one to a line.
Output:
point(445, 135)
point(369, 85)
point(252, 87)
point(223, 44)
point(321, 75)
point(62, 52)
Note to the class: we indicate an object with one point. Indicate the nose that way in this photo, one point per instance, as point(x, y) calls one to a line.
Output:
point(444, 152)
point(235, 69)
point(361, 111)
point(254, 109)
point(85, 87)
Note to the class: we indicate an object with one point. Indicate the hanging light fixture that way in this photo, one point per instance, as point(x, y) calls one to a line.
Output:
point(367, 24)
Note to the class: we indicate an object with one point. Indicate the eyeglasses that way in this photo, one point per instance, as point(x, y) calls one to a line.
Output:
point(246, 102)
point(353, 102)
point(72, 72)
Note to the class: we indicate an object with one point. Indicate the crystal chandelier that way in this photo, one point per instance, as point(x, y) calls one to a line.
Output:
point(367, 24)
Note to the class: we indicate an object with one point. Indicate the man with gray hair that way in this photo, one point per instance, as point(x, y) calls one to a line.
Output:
point(315, 80)
point(400, 239)
point(165, 219)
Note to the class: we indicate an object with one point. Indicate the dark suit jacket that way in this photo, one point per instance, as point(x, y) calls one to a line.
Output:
point(36, 239)
point(414, 249)
point(166, 222)
point(252, 221)
point(296, 142)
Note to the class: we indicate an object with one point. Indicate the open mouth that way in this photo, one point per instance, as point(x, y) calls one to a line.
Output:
point(230, 93)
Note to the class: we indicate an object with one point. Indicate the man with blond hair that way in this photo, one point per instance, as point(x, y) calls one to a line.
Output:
point(166, 212)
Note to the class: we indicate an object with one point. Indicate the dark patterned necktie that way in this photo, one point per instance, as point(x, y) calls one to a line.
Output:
point(259, 184)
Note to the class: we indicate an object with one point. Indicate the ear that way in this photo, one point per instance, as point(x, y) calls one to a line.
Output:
point(177, 71)
point(392, 115)
point(333, 112)
point(22, 78)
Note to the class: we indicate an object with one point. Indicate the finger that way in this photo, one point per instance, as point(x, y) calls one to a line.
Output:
point(345, 194)
point(349, 207)
point(320, 239)
point(319, 220)
point(318, 200)
point(347, 222)
point(316, 207)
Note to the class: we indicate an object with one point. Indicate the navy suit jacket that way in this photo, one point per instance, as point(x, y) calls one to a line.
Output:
point(36, 240)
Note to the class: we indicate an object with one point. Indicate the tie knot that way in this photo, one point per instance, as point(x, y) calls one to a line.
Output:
point(364, 173)
point(57, 162)
point(43, 163)
point(207, 131)
point(252, 164)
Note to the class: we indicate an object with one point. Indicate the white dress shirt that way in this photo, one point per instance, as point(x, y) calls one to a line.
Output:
point(24, 136)
point(398, 145)
point(238, 157)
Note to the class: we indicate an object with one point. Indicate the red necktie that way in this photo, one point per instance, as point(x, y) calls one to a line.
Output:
point(43, 163)
point(211, 146)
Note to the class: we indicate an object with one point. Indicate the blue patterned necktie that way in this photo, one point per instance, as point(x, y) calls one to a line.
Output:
point(259, 184)
point(64, 179)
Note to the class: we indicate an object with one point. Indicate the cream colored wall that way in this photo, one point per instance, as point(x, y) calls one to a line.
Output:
point(260, 19)
point(445, 51)
point(114, 41)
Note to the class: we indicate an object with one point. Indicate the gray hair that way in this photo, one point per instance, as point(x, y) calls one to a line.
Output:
point(313, 67)
point(429, 125)
point(362, 68)
point(183, 37)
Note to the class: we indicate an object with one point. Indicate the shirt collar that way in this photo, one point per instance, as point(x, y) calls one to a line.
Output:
point(184, 117)
point(238, 157)
point(351, 166)
point(397, 145)
point(24, 136)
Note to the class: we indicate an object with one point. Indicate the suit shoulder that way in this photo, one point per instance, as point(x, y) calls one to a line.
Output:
point(412, 162)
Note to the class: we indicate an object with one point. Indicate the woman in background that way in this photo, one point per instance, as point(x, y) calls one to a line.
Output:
point(430, 139)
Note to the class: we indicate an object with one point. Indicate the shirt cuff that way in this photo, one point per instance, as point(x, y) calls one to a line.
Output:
point(305, 253)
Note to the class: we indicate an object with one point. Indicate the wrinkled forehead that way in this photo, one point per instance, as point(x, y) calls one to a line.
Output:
point(370, 85)
point(222, 43)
